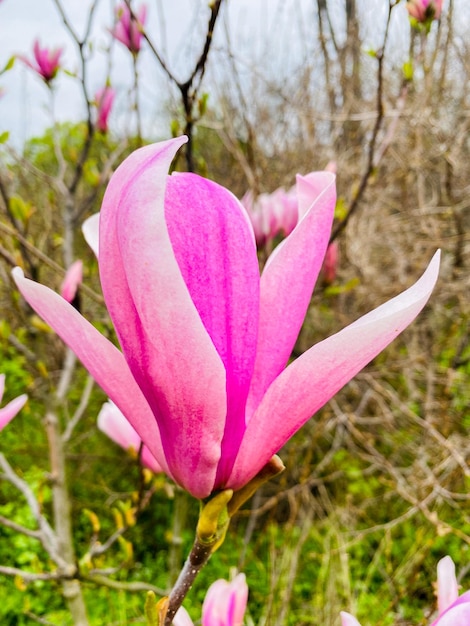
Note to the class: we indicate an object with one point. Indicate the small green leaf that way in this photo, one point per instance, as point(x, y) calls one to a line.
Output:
point(408, 70)
point(202, 104)
point(9, 64)
point(175, 128)
point(340, 209)
point(20, 209)
point(151, 611)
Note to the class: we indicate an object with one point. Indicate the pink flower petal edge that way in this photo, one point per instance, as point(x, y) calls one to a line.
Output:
point(447, 587)
point(312, 379)
point(102, 359)
point(8, 412)
point(348, 620)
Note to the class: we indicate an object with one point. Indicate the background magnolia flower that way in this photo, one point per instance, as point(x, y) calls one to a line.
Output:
point(72, 280)
point(272, 214)
point(205, 340)
point(127, 30)
point(276, 213)
point(8, 412)
point(104, 99)
point(224, 604)
point(46, 61)
point(330, 263)
point(424, 10)
point(113, 424)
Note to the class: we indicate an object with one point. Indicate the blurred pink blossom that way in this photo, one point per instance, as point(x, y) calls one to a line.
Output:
point(224, 604)
point(8, 412)
point(272, 214)
point(104, 99)
point(46, 61)
point(424, 10)
point(276, 213)
point(113, 424)
point(330, 263)
point(72, 280)
point(128, 30)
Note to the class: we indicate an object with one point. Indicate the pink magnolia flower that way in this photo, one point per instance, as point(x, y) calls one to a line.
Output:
point(128, 30)
point(8, 412)
point(275, 213)
point(46, 61)
point(104, 99)
point(272, 214)
point(424, 10)
point(205, 340)
point(113, 424)
point(224, 604)
point(72, 281)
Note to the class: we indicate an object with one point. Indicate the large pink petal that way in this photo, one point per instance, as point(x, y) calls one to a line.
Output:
point(168, 350)
point(215, 249)
point(287, 282)
point(312, 379)
point(101, 358)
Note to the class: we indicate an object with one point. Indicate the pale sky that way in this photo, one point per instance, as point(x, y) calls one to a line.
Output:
point(176, 27)
point(264, 34)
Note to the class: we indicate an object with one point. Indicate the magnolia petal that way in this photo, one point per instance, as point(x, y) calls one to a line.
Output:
point(308, 188)
point(8, 412)
point(312, 379)
point(161, 333)
point(447, 587)
point(72, 280)
point(216, 253)
point(458, 614)
point(287, 283)
point(182, 618)
point(101, 358)
point(348, 620)
point(112, 422)
point(225, 602)
point(91, 232)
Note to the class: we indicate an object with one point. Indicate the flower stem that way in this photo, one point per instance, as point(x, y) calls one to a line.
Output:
point(196, 560)
point(210, 534)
